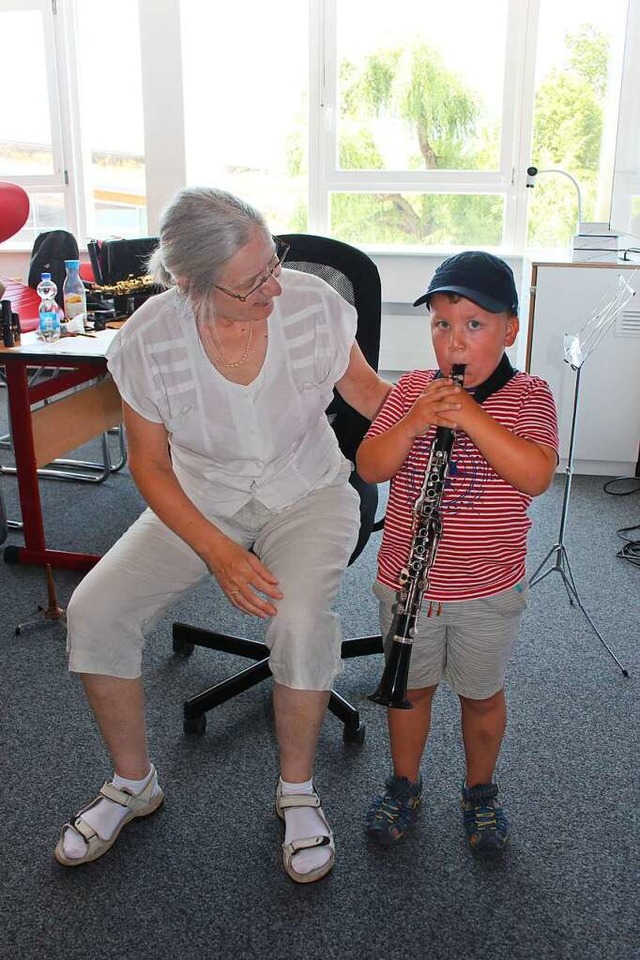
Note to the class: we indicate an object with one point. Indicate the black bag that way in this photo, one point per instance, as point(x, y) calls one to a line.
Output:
point(50, 250)
point(125, 259)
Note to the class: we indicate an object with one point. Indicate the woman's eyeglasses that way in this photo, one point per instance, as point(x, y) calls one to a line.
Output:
point(281, 250)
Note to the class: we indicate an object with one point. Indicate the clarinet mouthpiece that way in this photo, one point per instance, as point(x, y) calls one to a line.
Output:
point(457, 373)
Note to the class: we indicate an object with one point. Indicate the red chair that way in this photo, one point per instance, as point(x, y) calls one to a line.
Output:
point(24, 302)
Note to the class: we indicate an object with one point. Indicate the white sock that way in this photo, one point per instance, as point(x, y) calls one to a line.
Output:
point(302, 822)
point(104, 817)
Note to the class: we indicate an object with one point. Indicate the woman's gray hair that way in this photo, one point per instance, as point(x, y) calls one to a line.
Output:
point(200, 229)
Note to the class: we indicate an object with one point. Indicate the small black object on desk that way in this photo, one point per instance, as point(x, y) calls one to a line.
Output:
point(7, 326)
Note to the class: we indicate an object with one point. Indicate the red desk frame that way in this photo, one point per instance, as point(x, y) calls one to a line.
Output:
point(47, 432)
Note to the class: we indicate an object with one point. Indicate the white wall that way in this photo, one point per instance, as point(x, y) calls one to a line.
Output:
point(405, 340)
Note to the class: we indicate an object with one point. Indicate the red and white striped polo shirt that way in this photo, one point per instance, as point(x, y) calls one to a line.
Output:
point(483, 546)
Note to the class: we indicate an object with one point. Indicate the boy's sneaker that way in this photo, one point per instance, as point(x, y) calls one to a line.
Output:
point(484, 820)
point(391, 814)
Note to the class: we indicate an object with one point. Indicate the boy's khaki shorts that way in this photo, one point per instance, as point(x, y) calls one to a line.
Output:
point(467, 642)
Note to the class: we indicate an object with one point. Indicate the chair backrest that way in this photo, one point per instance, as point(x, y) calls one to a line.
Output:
point(355, 277)
point(4, 529)
point(49, 252)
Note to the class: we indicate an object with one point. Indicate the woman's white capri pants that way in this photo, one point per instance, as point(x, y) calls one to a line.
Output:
point(306, 546)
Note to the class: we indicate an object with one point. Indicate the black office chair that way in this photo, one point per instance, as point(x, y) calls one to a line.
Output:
point(354, 275)
point(4, 523)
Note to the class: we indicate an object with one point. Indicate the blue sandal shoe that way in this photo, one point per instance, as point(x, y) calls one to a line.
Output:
point(392, 813)
point(484, 820)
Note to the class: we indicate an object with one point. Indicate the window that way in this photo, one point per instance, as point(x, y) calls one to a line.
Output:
point(72, 131)
point(392, 218)
point(31, 137)
point(418, 107)
point(414, 92)
point(111, 118)
point(397, 126)
point(246, 104)
point(577, 83)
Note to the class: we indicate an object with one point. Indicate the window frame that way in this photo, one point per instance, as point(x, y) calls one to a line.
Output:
point(66, 177)
point(165, 164)
point(507, 181)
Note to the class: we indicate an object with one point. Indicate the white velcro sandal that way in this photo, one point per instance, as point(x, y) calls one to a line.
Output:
point(283, 802)
point(141, 805)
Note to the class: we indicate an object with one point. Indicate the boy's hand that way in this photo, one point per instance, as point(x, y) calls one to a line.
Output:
point(439, 405)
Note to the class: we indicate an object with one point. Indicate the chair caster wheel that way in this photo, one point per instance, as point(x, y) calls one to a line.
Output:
point(183, 647)
point(195, 725)
point(355, 734)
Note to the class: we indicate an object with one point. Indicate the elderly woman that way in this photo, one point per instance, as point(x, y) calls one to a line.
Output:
point(234, 489)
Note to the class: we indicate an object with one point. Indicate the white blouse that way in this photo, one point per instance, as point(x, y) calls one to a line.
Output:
point(269, 440)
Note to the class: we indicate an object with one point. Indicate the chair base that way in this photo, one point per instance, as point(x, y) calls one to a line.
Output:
point(186, 637)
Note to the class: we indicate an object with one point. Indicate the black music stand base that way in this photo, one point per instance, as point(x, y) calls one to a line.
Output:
point(563, 567)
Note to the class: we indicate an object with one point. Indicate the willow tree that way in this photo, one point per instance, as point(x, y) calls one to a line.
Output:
point(413, 84)
point(567, 134)
point(412, 87)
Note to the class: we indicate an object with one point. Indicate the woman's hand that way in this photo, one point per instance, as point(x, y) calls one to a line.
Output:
point(240, 574)
point(244, 578)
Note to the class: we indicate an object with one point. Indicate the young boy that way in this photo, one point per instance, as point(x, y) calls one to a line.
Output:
point(505, 453)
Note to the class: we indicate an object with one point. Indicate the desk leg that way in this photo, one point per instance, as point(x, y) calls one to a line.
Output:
point(26, 467)
point(35, 550)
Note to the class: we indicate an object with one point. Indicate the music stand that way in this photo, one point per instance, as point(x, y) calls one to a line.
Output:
point(577, 349)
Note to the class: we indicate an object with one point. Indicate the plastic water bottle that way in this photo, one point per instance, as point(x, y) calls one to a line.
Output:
point(48, 309)
point(73, 295)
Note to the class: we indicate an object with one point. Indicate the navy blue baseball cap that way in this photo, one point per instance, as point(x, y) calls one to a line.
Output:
point(480, 277)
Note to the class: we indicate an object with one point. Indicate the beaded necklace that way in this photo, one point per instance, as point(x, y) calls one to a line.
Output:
point(210, 334)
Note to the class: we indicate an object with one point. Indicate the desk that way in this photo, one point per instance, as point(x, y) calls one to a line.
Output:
point(49, 431)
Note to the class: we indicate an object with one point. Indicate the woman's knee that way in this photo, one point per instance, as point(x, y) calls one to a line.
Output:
point(103, 634)
point(305, 648)
point(88, 604)
point(99, 605)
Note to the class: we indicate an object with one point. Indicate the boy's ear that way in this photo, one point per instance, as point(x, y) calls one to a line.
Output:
point(513, 325)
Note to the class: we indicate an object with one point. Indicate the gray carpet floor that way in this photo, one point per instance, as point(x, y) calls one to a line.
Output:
point(203, 877)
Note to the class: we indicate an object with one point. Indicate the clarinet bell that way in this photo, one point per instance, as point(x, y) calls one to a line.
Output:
point(392, 690)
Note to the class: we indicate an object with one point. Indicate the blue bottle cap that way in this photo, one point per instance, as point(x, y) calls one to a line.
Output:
point(72, 263)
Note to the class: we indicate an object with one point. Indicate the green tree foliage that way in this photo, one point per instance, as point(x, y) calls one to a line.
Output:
point(414, 84)
point(589, 57)
point(412, 87)
point(417, 219)
point(567, 134)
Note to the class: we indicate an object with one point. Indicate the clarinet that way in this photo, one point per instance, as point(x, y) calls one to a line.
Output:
point(392, 690)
